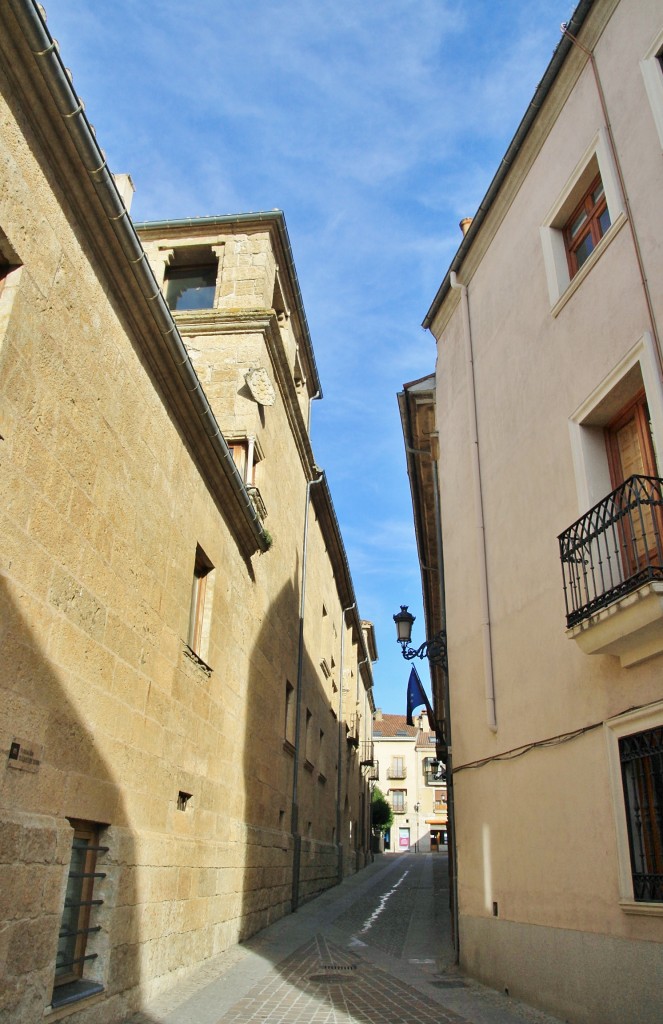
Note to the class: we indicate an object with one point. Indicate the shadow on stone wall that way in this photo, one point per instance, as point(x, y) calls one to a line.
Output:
point(74, 780)
point(268, 771)
point(35, 836)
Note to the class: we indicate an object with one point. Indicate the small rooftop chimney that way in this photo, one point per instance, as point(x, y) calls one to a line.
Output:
point(126, 188)
point(465, 225)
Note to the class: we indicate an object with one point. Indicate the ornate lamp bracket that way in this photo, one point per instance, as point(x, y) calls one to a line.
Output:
point(435, 650)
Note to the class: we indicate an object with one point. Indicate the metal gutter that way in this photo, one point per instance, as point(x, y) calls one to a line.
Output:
point(57, 80)
point(532, 112)
point(276, 217)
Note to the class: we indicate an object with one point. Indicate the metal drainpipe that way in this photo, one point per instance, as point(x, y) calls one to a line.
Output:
point(339, 785)
point(294, 819)
point(489, 678)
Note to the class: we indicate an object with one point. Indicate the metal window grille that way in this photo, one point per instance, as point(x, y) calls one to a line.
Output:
point(641, 757)
point(75, 926)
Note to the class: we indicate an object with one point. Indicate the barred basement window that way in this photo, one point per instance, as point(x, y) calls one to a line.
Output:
point(78, 918)
point(641, 757)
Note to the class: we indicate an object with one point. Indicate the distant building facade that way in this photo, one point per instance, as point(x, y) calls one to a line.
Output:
point(547, 437)
point(413, 781)
point(185, 677)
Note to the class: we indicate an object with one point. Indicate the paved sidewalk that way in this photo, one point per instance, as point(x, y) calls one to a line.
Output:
point(375, 950)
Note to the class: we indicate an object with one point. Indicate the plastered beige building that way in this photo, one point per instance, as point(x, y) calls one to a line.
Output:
point(413, 781)
point(549, 418)
point(186, 680)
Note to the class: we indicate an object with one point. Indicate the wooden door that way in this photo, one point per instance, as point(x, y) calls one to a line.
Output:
point(630, 445)
point(631, 453)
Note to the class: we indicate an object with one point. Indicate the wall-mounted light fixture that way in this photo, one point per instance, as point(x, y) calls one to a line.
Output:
point(434, 649)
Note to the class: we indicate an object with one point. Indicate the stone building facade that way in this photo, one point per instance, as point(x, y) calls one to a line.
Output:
point(413, 781)
point(547, 439)
point(185, 678)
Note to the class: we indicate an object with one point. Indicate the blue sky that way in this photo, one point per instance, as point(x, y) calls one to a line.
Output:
point(375, 126)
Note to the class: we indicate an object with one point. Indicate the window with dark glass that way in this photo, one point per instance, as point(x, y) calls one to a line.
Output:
point(641, 757)
point(190, 287)
point(586, 226)
point(78, 917)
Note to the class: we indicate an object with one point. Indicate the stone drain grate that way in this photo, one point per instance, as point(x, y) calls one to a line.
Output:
point(334, 974)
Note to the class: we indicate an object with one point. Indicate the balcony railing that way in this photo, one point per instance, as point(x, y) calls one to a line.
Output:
point(396, 772)
point(399, 808)
point(367, 754)
point(614, 548)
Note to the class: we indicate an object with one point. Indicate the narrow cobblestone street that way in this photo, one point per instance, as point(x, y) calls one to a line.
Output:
point(375, 950)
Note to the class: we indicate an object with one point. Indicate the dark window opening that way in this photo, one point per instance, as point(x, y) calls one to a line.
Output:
point(641, 757)
point(79, 918)
point(190, 287)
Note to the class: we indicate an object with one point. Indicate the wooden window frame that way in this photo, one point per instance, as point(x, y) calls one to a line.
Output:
point(398, 800)
point(592, 227)
point(199, 590)
point(308, 739)
point(289, 723)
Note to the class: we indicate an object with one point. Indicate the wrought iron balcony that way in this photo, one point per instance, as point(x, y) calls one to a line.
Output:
point(367, 754)
point(397, 773)
point(614, 549)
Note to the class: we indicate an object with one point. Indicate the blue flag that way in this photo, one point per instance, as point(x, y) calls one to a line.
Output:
point(416, 696)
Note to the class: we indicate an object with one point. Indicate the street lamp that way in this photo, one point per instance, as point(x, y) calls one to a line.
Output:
point(434, 649)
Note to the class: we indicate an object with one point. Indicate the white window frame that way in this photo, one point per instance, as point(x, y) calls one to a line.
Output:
point(586, 424)
point(624, 725)
point(597, 158)
point(652, 73)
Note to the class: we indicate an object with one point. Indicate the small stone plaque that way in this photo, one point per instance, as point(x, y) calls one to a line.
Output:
point(24, 755)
